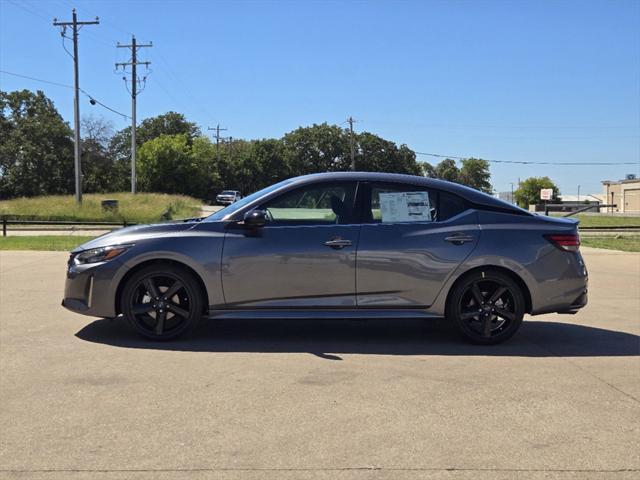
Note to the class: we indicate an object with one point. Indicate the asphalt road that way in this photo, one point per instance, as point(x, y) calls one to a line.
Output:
point(84, 398)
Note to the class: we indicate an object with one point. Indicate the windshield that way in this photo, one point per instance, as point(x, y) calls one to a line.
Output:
point(228, 192)
point(234, 207)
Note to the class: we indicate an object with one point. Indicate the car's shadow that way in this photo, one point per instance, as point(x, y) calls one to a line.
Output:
point(329, 338)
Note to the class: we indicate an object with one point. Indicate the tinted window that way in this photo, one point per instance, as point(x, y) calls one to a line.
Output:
point(450, 205)
point(317, 204)
point(393, 203)
point(234, 207)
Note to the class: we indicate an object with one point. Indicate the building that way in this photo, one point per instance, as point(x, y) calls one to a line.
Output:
point(569, 203)
point(625, 194)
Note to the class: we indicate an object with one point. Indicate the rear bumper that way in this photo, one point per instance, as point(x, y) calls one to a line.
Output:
point(562, 282)
point(576, 305)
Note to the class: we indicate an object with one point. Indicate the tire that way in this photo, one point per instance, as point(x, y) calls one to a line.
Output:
point(162, 302)
point(486, 307)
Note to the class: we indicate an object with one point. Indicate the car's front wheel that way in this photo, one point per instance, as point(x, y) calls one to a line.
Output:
point(486, 307)
point(162, 302)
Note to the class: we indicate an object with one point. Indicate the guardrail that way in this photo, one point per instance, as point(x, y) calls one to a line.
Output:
point(6, 222)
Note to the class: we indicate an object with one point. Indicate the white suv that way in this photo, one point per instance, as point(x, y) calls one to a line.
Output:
point(227, 197)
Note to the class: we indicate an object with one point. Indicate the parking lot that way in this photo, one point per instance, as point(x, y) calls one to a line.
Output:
point(86, 398)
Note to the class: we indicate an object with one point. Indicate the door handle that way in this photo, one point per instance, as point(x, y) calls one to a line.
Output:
point(337, 243)
point(459, 238)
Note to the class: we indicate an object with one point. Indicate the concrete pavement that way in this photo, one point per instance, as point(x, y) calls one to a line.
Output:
point(85, 398)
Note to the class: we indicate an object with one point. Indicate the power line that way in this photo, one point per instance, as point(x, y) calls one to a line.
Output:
point(184, 89)
point(74, 23)
point(133, 63)
point(524, 127)
point(36, 79)
point(218, 137)
point(24, 7)
point(351, 144)
point(524, 162)
point(106, 23)
point(91, 98)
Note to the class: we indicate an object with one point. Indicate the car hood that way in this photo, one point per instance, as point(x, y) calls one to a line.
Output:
point(136, 233)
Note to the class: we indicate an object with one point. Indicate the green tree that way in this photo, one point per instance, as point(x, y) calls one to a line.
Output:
point(475, 174)
point(528, 193)
point(36, 150)
point(238, 169)
point(101, 171)
point(319, 148)
point(203, 153)
point(427, 170)
point(167, 164)
point(448, 170)
point(375, 154)
point(170, 123)
point(273, 162)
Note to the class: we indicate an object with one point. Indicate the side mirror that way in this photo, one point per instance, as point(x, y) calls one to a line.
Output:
point(255, 219)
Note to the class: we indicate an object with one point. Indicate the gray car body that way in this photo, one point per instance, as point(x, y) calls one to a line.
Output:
point(391, 270)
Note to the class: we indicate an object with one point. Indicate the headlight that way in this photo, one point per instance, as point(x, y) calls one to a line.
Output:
point(101, 254)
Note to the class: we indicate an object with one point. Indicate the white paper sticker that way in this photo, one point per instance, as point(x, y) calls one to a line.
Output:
point(405, 207)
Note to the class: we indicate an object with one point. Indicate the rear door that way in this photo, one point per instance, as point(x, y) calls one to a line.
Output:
point(411, 241)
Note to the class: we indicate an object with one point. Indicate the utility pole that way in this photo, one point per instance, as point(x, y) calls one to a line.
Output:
point(512, 201)
point(353, 151)
point(217, 137)
point(134, 46)
point(74, 24)
point(578, 193)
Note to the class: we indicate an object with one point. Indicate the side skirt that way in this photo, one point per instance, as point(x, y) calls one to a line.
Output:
point(312, 314)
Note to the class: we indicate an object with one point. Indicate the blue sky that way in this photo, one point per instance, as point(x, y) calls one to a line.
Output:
point(504, 80)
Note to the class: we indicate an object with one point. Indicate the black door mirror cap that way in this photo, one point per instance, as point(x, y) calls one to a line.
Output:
point(255, 219)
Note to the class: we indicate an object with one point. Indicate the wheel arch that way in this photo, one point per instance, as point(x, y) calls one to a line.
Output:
point(494, 268)
point(160, 261)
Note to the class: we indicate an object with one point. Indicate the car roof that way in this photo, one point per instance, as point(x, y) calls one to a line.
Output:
point(470, 194)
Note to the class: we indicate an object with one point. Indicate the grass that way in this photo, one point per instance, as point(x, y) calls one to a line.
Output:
point(620, 242)
point(139, 208)
point(606, 220)
point(43, 242)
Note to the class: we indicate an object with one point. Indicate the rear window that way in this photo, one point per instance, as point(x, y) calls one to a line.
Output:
point(450, 205)
point(395, 203)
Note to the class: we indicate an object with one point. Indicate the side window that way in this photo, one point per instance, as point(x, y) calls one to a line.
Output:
point(392, 203)
point(450, 205)
point(317, 204)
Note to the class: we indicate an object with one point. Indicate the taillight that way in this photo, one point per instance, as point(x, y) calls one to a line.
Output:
point(568, 243)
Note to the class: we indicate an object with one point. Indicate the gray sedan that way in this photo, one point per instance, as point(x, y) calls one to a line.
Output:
point(338, 245)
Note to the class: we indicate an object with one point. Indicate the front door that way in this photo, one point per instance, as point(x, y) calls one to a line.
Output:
point(411, 241)
point(305, 256)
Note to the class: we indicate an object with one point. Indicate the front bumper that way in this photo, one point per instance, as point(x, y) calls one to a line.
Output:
point(91, 289)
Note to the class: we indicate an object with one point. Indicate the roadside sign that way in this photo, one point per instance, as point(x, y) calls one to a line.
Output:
point(546, 193)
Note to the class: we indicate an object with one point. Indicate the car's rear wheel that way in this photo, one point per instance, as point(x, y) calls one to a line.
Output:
point(487, 307)
point(162, 302)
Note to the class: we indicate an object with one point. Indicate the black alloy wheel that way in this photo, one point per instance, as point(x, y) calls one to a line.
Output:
point(162, 302)
point(487, 307)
